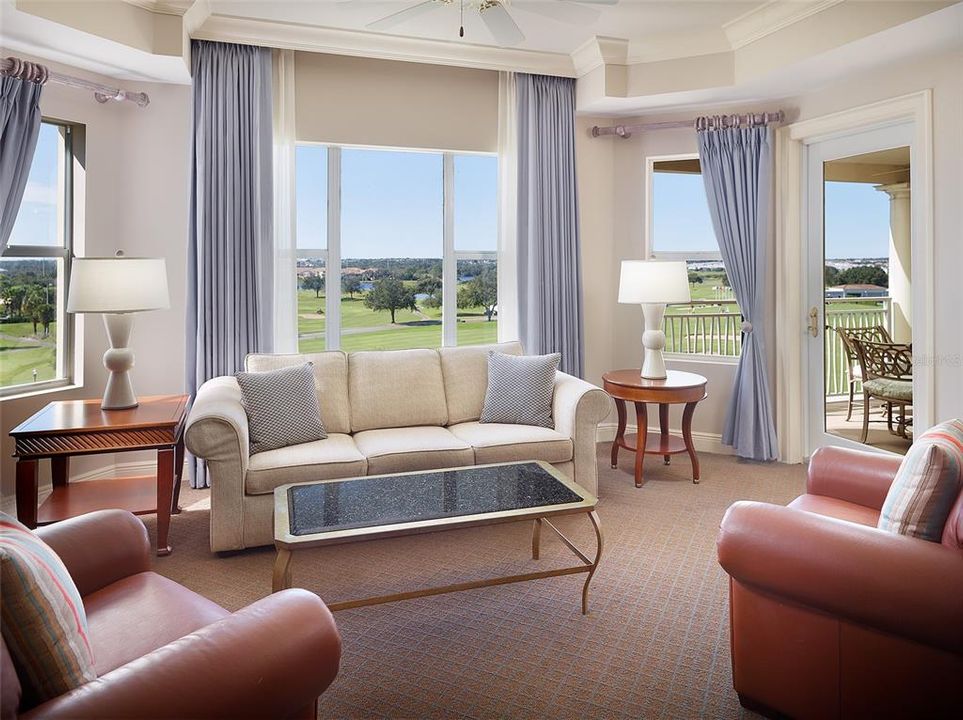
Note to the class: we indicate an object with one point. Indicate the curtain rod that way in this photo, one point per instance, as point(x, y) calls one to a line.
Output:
point(34, 72)
point(706, 122)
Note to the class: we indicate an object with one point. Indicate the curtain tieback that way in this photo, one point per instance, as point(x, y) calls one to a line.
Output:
point(746, 326)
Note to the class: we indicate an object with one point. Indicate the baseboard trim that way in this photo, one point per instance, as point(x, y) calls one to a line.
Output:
point(703, 441)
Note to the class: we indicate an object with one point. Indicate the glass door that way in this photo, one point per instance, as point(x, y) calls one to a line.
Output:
point(859, 352)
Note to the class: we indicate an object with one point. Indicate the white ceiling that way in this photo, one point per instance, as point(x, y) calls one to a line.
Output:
point(639, 21)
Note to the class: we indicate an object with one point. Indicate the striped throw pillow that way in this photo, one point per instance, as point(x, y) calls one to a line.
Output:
point(926, 485)
point(42, 617)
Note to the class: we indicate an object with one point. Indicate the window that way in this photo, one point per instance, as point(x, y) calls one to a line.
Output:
point(680, 229)
point(35, 332)
point(396, 249)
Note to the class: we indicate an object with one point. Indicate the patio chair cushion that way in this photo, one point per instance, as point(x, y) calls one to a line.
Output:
point(895, 389)
point(926, 484)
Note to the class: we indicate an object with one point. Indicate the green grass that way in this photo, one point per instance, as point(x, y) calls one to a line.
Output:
point(373, 330)
point(20, 355)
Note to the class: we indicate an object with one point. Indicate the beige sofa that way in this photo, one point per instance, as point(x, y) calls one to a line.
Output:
point(385, 412)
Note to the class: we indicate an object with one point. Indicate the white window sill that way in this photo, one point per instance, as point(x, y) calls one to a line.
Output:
point(53, 386)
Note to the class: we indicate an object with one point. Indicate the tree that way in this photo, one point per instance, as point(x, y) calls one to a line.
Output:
point(831, 276)
point(430, 287)
point(695, 278)
point(390, 294)
point(864, 275)
point(480, 291)
point(48, 313)
point(33, 304)
point(313, 282)
point(351, 284)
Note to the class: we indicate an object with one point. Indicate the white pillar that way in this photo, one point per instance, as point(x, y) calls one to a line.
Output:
point(900, 252)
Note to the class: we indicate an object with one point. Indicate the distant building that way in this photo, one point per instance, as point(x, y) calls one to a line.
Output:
point(857, 290)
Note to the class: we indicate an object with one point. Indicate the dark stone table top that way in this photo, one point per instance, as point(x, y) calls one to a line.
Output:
point(395, 499)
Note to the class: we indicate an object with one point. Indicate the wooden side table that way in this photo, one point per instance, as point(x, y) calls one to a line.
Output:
point(80, 427)
point(678, 387)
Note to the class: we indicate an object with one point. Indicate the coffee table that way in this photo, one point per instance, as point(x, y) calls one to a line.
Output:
point(332, 512)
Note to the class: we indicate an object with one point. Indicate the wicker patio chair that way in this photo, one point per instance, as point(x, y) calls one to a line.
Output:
point(873, 333)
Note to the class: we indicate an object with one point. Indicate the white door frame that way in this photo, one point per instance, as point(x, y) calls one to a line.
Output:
point(791, 319)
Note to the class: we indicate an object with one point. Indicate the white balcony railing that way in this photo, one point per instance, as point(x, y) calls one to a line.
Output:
point(714, 328)
point(873, 311)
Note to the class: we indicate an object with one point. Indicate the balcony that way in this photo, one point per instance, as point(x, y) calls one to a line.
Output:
point(714, 328)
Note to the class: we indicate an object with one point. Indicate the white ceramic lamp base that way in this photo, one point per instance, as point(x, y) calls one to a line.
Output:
point(653, 341)
point(119, 359)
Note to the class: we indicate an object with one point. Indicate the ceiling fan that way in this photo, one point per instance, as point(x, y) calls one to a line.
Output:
point(495, 15)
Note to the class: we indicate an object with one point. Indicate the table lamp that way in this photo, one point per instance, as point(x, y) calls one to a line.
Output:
point(653, 284)
point(117, 287)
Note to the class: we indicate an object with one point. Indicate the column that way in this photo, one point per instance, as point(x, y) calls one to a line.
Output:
point(900, 265)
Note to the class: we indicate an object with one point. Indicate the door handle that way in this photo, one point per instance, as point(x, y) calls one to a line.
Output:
point(814, 321)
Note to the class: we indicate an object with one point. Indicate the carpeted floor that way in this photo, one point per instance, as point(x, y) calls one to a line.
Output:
point(655, 644)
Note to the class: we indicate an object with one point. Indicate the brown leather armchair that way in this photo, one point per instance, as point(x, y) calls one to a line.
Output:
point(832, 618)
point(162, 651)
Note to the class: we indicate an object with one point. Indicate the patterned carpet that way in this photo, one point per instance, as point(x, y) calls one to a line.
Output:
point(655, 644)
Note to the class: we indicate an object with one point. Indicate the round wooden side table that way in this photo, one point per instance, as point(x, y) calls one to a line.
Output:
point(678, 387)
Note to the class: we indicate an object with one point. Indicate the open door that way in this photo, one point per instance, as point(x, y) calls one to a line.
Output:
point(859, 282)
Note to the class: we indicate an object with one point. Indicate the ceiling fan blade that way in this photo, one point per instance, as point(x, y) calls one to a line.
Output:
point(501, 25)
point(568, 12)
point(598, 2)
point(409, 13)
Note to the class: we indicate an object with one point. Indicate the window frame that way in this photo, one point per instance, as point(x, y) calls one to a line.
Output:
point(653, 254)
point(332, 253)
point(66, 365)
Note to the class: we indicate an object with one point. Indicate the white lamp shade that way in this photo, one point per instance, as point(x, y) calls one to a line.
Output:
point(654, 281)
point(117, 285)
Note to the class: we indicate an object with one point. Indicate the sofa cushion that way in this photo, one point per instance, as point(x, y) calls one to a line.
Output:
point(396, 388)
point(465, 370)
point(330, 380)
point(926, 485)
point(141, 613)
point(501, 442)
point(520, 389)
point(335, 457)
point(836, 508)
point(281, 407)
point(43, 622)
point(413, 448)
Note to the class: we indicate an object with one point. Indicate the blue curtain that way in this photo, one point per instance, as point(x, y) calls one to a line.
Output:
point(737, 172)
point(19, 129)
point(230, 255)
point(549, 266)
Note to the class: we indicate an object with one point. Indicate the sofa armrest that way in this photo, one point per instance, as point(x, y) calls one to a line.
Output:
point(99, 548)
point(897, 584)
point(855, 476)
point(578, 408)
point(217, 424)
point(271, 659)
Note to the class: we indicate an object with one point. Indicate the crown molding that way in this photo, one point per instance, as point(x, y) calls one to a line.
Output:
point(771, 17)
point(160, 7)
point(597, 51)
point(310, 38)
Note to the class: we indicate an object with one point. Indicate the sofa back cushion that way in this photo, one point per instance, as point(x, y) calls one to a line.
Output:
point(42, 617)
point(927, 485)
point(396, 388)
point(465, 370)
point(330, 380)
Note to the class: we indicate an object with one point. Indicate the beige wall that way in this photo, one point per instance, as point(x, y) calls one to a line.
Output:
point(361, 101)
point(137, 194)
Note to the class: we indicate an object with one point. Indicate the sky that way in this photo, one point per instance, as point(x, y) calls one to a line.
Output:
point(857, 217)
point(37, 219)
point(392, 202)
